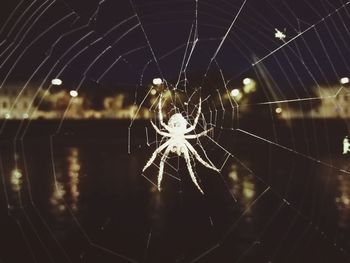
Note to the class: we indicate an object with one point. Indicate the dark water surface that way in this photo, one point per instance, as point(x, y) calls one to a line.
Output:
point(70, 198)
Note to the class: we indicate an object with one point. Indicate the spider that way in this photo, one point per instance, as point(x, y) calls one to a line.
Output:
point(177, 135)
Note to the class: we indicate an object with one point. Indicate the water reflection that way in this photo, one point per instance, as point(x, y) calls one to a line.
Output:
point(242, 186)
point(342, 200)
point(57, 196)
point(66, 185)
point(16, 180)
point(16, 175)
point(74, 166)
point(115, 199)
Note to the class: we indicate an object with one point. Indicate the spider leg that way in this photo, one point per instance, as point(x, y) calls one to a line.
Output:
point(192, 127)
point(160, 114)
point(154, 155)
point(189, 167)
point(195, 153)
point(161, 166)
point(194, 136)
point(165, 134)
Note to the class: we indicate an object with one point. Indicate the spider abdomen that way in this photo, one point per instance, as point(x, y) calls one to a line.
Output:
point(178, 149)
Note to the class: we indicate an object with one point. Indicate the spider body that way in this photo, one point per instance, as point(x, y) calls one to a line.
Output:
point(177, 133)
point(177, 123)
point(178, 126)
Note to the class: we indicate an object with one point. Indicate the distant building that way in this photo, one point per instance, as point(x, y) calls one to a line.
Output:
point(334, 102)
point(20, 102)
point(115, 108)
point(16, 101)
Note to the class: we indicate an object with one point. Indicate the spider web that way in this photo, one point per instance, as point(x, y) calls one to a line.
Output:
point(73, 191)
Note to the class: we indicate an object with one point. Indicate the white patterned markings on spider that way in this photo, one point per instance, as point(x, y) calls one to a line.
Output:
point(177, 134)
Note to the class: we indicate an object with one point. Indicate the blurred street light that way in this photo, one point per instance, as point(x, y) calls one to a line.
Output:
point(235, 92)
point(249, 85)
point(278, 110)
point(153, 92)
point(344, 80)
point(157, 81)
point(73, 93)
point(247, 81)
point(56, 82)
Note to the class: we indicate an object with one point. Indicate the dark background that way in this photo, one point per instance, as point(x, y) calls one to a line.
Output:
point(283, 194)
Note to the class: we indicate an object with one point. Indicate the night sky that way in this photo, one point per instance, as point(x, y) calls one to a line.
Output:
point(125, 44)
